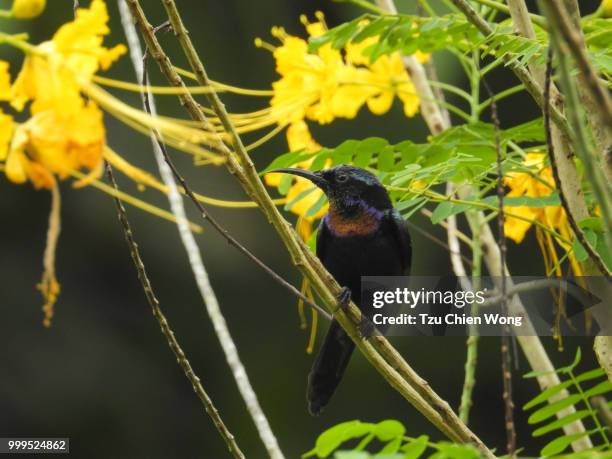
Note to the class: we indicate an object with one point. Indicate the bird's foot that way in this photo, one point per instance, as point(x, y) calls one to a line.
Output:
point(366, 328)
point(343, 299)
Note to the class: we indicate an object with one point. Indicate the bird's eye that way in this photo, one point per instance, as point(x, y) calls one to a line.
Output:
point(341, 178)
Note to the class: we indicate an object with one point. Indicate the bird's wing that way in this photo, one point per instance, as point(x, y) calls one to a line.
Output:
point(400, 232)
point(322, 238)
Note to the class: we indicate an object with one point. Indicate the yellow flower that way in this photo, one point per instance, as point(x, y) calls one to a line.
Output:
point(65, 132)
point(308, 81)
point(5, 81)
point(387, 78)
point(523, 184)
point(27, 9)
point(6, 132)
point(606, 8)
point(57, 69)
point(325, 85)
point(56, 143)
point(389, 72)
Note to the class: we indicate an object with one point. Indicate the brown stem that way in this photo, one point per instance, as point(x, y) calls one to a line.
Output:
point(210, 408)
point(506, 357)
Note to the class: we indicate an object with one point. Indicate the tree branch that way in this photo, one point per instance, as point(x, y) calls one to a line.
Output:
point(167, 331)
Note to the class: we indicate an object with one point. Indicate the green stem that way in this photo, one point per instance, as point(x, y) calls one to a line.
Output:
point(475, 88)
point(472, 340)
point(539, 20)
point(502, 95)
point(451, 88)
point(363, 4)
point(600, 428)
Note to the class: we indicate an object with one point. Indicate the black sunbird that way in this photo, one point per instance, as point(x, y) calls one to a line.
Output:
point(361, 235)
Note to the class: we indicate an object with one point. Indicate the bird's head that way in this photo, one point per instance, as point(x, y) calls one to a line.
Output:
point(348, 188)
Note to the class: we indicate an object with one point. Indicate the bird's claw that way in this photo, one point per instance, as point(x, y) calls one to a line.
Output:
point(366, 328)
point(343, 299)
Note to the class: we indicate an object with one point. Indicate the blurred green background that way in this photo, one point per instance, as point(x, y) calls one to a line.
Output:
point(103, 374)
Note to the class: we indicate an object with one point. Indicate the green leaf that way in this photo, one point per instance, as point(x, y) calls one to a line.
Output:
point(455, 451)
point(316, 207)
point(333, 437)
point(285, 183)
point(351, 455)
point(547, 394)
point(553, 408)
point(565, 420)
point(601, 388)
point(415, 448)
point(299, 197)
point(592, 223)
point(579, 251)
point(343, 153)
point(391, 448)
point(442, 211)
point(386, 159)
point(531, 201)
point(558, 445)
point(388, 430)
point(445, 209)
point(312, 241)
point(288, 160)
point(574, 364)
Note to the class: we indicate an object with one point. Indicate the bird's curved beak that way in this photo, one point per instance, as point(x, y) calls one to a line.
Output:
point(315, 177)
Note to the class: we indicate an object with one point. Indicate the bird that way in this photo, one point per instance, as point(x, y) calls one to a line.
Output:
point(361, 235)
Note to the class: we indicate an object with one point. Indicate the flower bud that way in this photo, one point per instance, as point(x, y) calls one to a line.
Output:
point(27, 9)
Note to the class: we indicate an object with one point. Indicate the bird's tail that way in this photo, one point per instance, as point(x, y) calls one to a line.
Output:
point(328, 368)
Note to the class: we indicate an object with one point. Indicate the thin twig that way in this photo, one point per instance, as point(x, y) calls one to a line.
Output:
point(193, 253)
point(555, 171)
point(167, 331)
point(454, 252)
point(503, 248)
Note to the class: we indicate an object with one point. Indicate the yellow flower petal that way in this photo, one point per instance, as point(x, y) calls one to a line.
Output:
point(15, 168)
point(516, 229)
point(381, 104)
point(5, 81)
point(299, 137)
point(6, 132)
